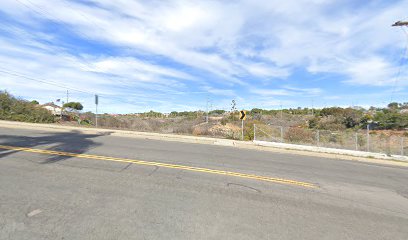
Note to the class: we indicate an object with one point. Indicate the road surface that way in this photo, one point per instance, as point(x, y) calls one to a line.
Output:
point(68, 185)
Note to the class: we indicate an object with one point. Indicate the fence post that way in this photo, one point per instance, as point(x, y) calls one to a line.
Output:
point(402, 146)
point(356, 139)
point(318, 137)
point(368, 137)
point(254, 132)
point(281, 135)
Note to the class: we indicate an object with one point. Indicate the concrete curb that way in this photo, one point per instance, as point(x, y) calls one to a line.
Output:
point(332, 151)
point(116, 132)
point(255, 145)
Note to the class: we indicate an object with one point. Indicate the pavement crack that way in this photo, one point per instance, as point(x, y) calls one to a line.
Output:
point(154, 170)
point(245, 186)
point(403, 194)
point(126, 167)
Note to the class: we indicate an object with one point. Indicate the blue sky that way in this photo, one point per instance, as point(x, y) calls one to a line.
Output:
point(174, 55)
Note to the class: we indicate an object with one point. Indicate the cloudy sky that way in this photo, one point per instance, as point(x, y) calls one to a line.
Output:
point(174, 55)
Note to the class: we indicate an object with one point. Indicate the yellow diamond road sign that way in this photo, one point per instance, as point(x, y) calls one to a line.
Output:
point(242, 115)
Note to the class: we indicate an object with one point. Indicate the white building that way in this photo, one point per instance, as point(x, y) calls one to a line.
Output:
point(54, 109)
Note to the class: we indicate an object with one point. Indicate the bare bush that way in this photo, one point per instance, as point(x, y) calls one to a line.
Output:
point(298, 135)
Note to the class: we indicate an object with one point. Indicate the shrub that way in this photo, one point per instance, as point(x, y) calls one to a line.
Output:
point(296, 135)
point(313, 123)
point(15, 109)
point(85, 122)
point(201, 130)
point(224, 121)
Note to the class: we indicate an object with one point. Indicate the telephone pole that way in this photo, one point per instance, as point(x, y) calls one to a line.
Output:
point(206, 117)
point(67, 96)
point(280, 109)
point(400, 24)
point(96, 109)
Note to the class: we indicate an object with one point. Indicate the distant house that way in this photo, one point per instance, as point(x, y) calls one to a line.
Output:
point(404, 111)
point(54, 109)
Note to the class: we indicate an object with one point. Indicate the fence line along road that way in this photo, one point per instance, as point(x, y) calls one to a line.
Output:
point(362, 140)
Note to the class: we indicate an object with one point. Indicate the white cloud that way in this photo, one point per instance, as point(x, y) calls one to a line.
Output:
point(270, 92)
point(288, 91)
point(372, 71)
point(219, 44)
point(25, 67)
point(265, 71)
point(181, 29)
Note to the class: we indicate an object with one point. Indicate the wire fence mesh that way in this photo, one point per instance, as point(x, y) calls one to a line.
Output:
point(361, 140)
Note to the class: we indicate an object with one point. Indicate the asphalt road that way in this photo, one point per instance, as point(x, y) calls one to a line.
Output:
point(100, 195)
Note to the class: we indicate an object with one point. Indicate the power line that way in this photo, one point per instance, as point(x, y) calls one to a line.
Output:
point(43, 81)
point(48, 82)
point(59, 85)
point(47, 15)
point(87, 63)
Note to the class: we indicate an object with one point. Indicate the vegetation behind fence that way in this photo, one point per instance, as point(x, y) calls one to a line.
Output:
point(388, 142)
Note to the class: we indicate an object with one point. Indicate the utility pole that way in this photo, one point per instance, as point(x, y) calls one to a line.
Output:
point(281, 110)
point(96, 110)
point(368, 137)
point(400, 24)
point(211, 105)
point(206, 117)
point(67, 96)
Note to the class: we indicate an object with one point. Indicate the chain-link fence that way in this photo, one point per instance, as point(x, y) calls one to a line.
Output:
point(362, 140)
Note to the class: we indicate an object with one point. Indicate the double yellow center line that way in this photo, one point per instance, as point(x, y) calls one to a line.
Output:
point(164, 165)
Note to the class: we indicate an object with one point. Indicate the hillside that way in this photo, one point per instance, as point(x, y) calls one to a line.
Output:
point(14, 109)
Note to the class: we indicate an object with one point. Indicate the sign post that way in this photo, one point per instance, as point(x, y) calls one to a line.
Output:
point(242, 117)
point(96, 109)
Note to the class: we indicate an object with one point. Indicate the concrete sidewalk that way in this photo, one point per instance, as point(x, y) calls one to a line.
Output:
point(341, 154)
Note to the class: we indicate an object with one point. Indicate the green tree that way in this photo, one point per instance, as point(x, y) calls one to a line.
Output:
point(256, 111)
point(349, 122)
point(314, 122)
point(391, 120)
point(35, 102)
point(74, 105)
point(217, 112)
point(393, 105)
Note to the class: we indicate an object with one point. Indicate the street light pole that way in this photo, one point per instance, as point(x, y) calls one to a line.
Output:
point(96, 109)
point(400, 24)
